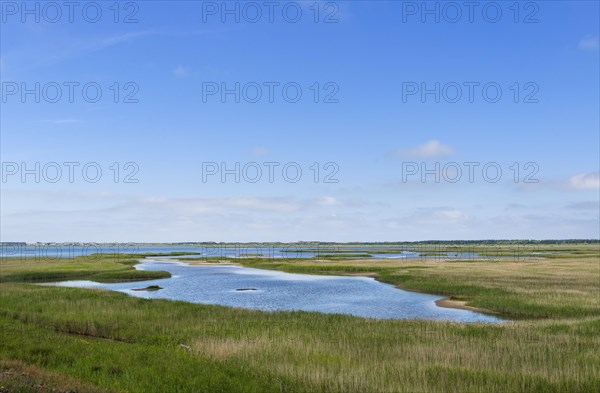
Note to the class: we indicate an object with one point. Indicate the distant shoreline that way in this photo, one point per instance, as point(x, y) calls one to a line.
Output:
point(191, 263)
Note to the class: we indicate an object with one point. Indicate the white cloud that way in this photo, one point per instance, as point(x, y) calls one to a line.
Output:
point(121, 38)
point(589, 43)
point(515, 206)
point(180, 71)
point(433, 148)
point(584, 181)
point(103, 216)
point(452, 214)
point(62, 121)
point(327, 201)
point(447, 223)
point(426, 218)
point(195, 206)
point(585, 205)
point(260, 151)
point(53, 48)
point(441, 215)
point(578, 182)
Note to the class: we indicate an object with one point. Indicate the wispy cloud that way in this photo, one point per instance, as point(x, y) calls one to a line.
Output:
point(433, 148)
point(584, 181)
point(515, 206)
point(260, 151)
point(580, 182)
point(104, 216)
point(452, 221)
point(180, 71)
point(586, 205)
point(122, 38)
point(62, 121)
point(64, 48)
point(327, 201)
point(33, 216)
point(194, 206)
point(589, 43)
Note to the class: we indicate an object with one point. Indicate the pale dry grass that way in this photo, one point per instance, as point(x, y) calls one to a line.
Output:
point(391, 356)
point(228, 347)
point(555, 349)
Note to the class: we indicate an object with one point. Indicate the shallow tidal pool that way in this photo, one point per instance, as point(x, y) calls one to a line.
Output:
point(270, 290)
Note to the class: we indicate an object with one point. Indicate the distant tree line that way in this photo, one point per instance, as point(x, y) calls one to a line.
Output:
point(455, 242)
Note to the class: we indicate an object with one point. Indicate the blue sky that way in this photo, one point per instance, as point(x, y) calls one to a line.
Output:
point(368, 57)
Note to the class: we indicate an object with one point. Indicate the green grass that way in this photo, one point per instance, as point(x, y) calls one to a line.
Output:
point(108, 341)
point(529, 288)
point(99, 268)
point(16, 376)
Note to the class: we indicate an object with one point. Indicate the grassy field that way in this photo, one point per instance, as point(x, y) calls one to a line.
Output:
point(99, 341)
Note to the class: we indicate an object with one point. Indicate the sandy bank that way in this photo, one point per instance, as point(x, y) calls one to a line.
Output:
point(447, 303)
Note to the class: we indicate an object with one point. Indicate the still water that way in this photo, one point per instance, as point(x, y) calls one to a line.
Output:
point(95, 251)
point(276, 291)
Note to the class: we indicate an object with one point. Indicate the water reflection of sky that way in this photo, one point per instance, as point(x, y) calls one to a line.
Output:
point(275, 291)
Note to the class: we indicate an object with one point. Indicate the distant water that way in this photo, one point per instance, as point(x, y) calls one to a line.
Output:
point(275, 291)
point(91, 251)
